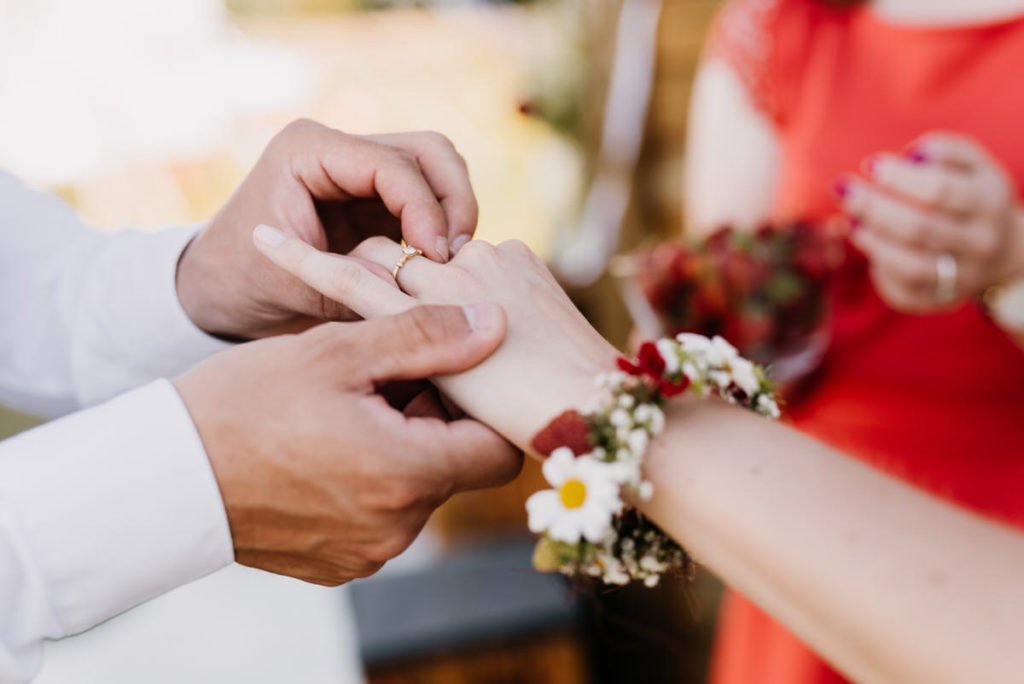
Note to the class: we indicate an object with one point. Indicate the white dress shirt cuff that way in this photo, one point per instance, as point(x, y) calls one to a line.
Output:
point(136, 329)
point(116, 504)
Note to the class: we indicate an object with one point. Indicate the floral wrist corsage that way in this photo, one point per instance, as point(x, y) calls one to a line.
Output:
point(596, 457)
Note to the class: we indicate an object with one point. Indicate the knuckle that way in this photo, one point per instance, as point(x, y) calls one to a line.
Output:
point(339, 282)
point(465, 211)
point(437, 140)
point(368, 568)
point(520, 251)
point(424, 325)
point(390, 546)
point(404, 159)
point(374, 244)
point(514, 246)
point(477, 250)
point(298, 127)
point(400, 495)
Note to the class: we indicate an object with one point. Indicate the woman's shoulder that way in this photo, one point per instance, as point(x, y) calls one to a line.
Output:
point(768, 43)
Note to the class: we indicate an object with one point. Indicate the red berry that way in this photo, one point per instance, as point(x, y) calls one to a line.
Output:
point(570, 429)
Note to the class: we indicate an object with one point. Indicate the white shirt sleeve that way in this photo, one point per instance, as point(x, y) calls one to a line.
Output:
point(100, 511)
point(114, 505)
point(84, 316)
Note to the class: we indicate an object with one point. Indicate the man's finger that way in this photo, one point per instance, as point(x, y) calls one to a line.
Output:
point(474, 457)
point(342, 279)
point(447, 173)
point(338, 166)
point(426, 404)
point(429, 341)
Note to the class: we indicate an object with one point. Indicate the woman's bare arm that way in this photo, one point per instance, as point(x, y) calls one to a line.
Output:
point(731, 154)
point(888, 583)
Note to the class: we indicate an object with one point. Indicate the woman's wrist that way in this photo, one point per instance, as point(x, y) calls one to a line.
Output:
point(518, 396)
point(573, 385)
point(594, 459)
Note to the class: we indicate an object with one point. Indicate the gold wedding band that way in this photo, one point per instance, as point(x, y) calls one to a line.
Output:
point(408, 253)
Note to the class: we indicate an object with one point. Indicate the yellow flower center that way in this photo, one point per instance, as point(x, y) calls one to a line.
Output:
point(573, 493)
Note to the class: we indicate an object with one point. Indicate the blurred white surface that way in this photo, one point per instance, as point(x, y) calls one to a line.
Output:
point(90, 85)
point(237, 625)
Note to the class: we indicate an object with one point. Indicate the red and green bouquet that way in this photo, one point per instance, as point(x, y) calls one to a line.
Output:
point(765, 291)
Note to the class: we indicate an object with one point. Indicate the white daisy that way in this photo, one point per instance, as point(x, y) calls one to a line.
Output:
point(726, 352)
point(584, 498)
point(694, 343)
point(667, 350)
point(744, 376)
point(766, 406)
point(638, 441)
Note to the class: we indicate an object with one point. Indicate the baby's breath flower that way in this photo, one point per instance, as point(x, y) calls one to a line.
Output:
point(586, 528)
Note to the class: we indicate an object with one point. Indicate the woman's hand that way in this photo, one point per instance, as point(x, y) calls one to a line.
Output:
point(939, 224)
point(550, 356)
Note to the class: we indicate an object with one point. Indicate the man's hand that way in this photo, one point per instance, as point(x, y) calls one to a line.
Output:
point(322, 479)
point(330, 190)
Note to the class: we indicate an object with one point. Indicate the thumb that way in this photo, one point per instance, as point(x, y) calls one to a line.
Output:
point(430, 340)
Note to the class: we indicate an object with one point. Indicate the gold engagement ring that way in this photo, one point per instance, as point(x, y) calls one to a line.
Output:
point(408, 253)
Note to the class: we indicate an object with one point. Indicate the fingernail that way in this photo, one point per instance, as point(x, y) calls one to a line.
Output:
point(458, 243)
point(441, 247)
point(870, 165)
point(482, 317)
point(855, 224)
point(916, 155)
point(268, 235)
point(842, 187)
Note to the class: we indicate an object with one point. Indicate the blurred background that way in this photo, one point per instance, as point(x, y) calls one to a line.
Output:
point(571, 115)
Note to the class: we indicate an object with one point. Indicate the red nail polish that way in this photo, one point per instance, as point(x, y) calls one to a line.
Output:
point(915, 156)
point(855, 224)
point(842, 187)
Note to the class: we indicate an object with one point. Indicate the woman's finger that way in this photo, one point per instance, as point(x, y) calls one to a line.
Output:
point(414, 274)
point(951, 149)
point(905, 223)
point(343, 279)
point(446, 171)
point(912, 275)
point(933, 186)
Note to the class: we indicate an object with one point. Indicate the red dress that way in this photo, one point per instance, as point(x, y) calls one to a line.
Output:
point(935, 400)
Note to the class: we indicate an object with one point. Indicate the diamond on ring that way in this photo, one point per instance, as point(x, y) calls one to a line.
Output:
point(408, 252)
